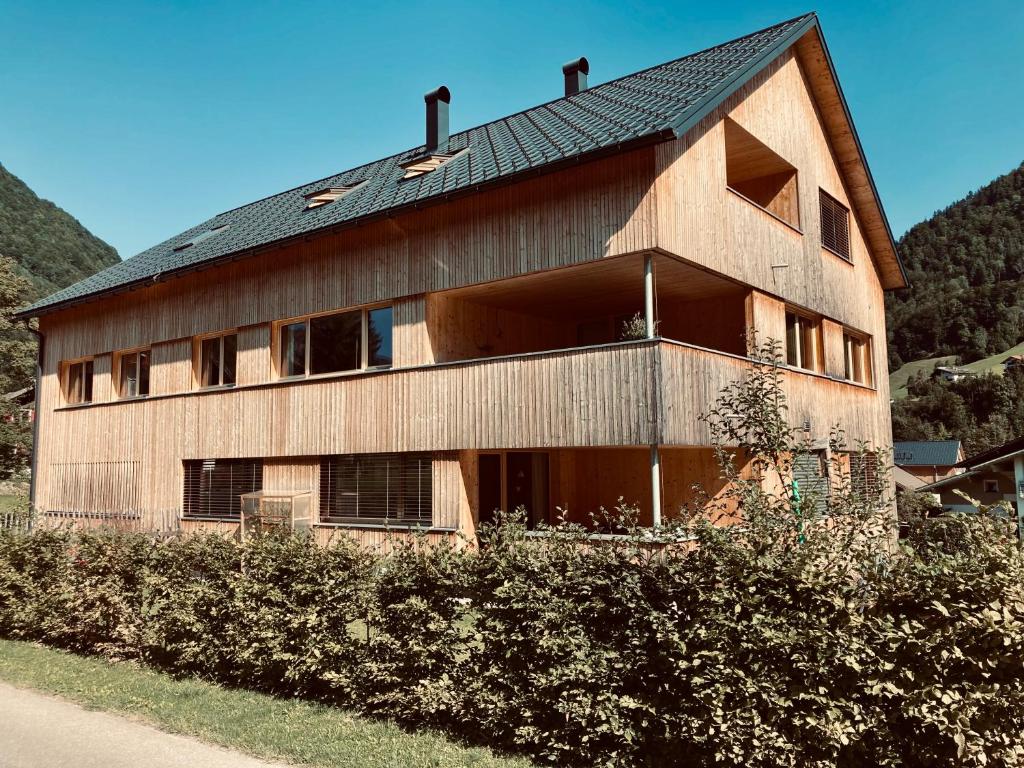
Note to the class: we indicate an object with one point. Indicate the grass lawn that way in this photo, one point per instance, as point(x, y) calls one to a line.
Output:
point(898, 379)
point(284, 730)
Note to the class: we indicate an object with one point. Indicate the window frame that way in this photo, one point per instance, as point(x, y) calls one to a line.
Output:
point(118, 371)
point(835, 202)
point(364, 347)
point(858, 344)
point(66, 379)
point(987, 483)
point(197, 359)
point(806, 323)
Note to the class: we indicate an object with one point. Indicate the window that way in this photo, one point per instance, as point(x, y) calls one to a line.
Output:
point(759, 175)
point(991, 486)
point(803, 342)
point(217, 358)
point(201, 237)
point(78, 387)
point(343, 341)
point(835, 225)
point(857, 358)
point(133, 380)
point(376, 488)
point(213, 487)
point(327, 195)
point(421, 165)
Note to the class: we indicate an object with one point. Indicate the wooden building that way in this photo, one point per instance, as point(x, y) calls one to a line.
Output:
point(533, 312)
point(929, 460)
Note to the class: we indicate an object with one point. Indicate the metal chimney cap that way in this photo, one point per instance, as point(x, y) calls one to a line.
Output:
point(576, 65)
point(438, 94)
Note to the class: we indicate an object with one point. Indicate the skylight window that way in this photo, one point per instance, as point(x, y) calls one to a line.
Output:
point(199, 238)
point(425, 164)
point(326, 195)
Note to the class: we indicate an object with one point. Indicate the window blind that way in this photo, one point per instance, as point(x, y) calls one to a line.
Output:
point(811, 474)
point(376, 488)
point(213, 486)
point(835, 225)
point(865, 481)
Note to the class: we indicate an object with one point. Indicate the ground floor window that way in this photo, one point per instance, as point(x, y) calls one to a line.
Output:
point(213, 487)
point(865, 478)
point(376, 488)
point(810, 475)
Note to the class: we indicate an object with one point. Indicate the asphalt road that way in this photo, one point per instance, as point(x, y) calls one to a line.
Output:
point(38, 731)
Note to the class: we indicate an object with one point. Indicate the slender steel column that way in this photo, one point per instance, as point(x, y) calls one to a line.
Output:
point(649, 295)
point(655, 486)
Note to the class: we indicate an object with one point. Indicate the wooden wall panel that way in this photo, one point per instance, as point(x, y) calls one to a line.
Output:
point(254, 362)
point(103, 384)
point(171, 367)
point(702, 221)
point(692, 380)
point(411, 342)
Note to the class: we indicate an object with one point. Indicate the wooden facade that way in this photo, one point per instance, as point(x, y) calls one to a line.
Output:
point(488, 294)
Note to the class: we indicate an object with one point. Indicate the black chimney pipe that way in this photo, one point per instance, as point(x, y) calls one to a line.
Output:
point(437, 118)
point(576, 72)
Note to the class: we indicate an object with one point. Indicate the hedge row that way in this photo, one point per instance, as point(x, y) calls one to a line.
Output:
point(785, 651)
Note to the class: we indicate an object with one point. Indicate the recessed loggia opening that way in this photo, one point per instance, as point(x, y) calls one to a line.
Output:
point(588, 305)
point(759, 175)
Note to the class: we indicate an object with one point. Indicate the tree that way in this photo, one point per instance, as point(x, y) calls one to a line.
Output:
point(17, 353)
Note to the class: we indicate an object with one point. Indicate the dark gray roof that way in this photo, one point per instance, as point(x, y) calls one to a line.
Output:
point(657, 104)
point(926, 453)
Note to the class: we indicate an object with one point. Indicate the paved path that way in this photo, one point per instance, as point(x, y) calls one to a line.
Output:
point(38, 731)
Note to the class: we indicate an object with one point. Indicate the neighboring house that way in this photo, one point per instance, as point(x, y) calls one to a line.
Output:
point(448, 331)
point(928, 460)
point(1013, 362)
point(951, 373)
point(989, 477)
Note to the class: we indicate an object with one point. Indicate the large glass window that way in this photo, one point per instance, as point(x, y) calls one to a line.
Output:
point(335, 342)
point(217, 358)
point(342, 341)
point(376, 488)
point(213, 487)
point(134, 370)
point(79, 382)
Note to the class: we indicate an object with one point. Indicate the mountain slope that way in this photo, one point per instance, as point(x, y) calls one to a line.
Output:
point(966, 268)
point(52, 248)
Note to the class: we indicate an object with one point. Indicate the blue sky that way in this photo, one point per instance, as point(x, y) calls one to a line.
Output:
point(142, 119)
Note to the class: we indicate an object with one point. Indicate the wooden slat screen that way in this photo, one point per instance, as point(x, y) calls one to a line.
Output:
point(213, 486)
point(835, 225)
point(376, 488)
point(865, 481)
point(810, 472)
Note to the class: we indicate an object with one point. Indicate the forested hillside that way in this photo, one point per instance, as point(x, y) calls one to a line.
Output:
point(966, 267)
point(51, 247)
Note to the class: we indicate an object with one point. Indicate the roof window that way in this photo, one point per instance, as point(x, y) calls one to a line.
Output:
point(199, 238)
point(326, 195)
point(425, 164)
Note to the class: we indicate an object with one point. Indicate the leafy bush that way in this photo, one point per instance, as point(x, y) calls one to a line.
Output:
point(791, 639)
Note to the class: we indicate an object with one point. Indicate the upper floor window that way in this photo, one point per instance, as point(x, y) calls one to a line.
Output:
point(343, 341)
point(857, 358)
point(803, 341)
point(133, 373)
point(760, 175)
point(78, 381)
point(835, 225)
point(217, 358)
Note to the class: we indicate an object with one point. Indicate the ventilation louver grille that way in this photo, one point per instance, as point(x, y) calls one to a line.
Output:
point(213, 487)
point(835, 226)
point(376, 488)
